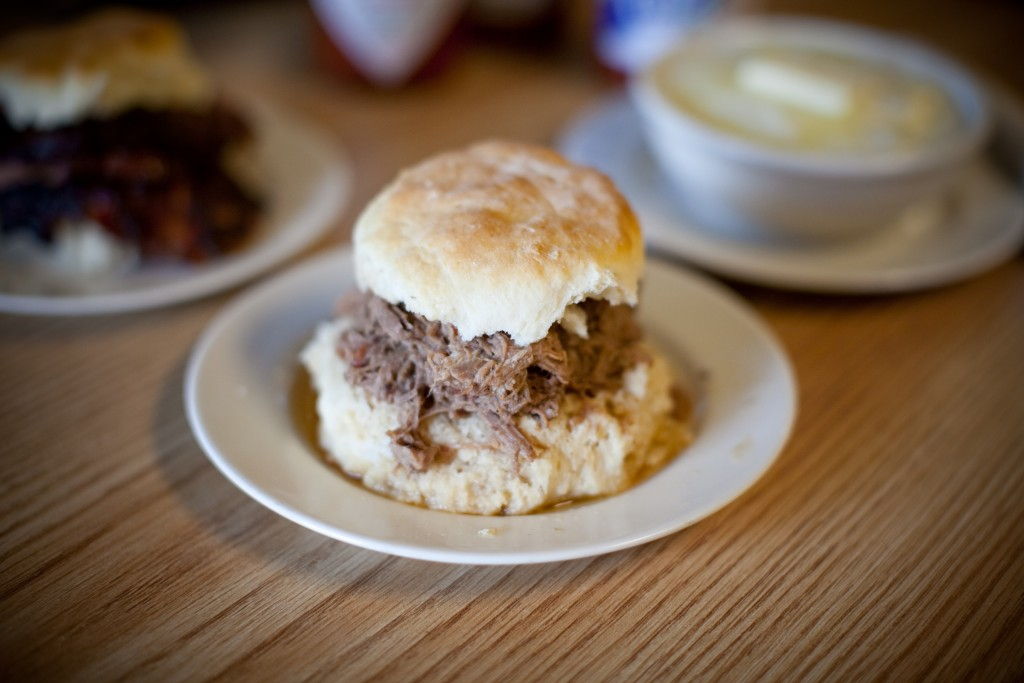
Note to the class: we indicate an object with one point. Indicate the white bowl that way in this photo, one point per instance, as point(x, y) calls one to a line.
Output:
point(734, 182)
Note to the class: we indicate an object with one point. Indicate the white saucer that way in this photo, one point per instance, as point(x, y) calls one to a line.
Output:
point(306, 181)
point(236, 396)
point(980, 225)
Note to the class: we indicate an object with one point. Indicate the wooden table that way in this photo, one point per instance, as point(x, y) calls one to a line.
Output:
point(887, 540)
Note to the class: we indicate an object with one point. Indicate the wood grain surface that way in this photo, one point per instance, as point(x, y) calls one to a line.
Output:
point(886, 542)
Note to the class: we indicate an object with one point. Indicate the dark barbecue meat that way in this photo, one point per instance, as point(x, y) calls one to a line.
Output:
point(151, 178)
point(426, 368)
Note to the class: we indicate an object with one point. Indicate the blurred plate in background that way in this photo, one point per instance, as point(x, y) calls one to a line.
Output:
point(305, 179)
point(977, 226)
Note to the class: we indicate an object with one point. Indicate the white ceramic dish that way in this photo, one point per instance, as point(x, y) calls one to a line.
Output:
point(236, 395)
point(977, 225)
point(306, 180)
point(732, 181)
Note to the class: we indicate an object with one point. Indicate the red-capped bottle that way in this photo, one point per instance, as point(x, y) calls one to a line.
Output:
point(386, 43)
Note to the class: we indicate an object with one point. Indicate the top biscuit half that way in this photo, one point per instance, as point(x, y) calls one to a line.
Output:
point(499, 237)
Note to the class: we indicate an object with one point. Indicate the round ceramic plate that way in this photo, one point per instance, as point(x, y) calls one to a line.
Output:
point(975, 227)
point(240, 373)
point(306, 181)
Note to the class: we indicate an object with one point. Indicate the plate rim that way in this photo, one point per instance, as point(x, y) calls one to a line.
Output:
point(717, 257)
point(253, 297)
point(329, 198)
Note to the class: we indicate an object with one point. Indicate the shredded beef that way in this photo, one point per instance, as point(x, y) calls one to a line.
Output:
point(153, 179)
point(426, 368)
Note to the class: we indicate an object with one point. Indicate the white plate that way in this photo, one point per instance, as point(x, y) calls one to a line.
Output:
point(306, 180)
point(979, 225)
point(236, 395)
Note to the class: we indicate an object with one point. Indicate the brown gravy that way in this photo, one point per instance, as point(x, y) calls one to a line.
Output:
point(302, 407)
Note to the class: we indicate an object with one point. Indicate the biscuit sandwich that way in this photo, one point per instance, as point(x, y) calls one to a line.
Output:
point(113, 139)
point(491, 362)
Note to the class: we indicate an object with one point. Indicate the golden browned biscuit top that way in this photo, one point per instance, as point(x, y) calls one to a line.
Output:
point(500, 236)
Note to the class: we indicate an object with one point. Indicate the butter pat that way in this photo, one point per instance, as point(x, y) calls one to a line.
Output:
point(794, 84)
